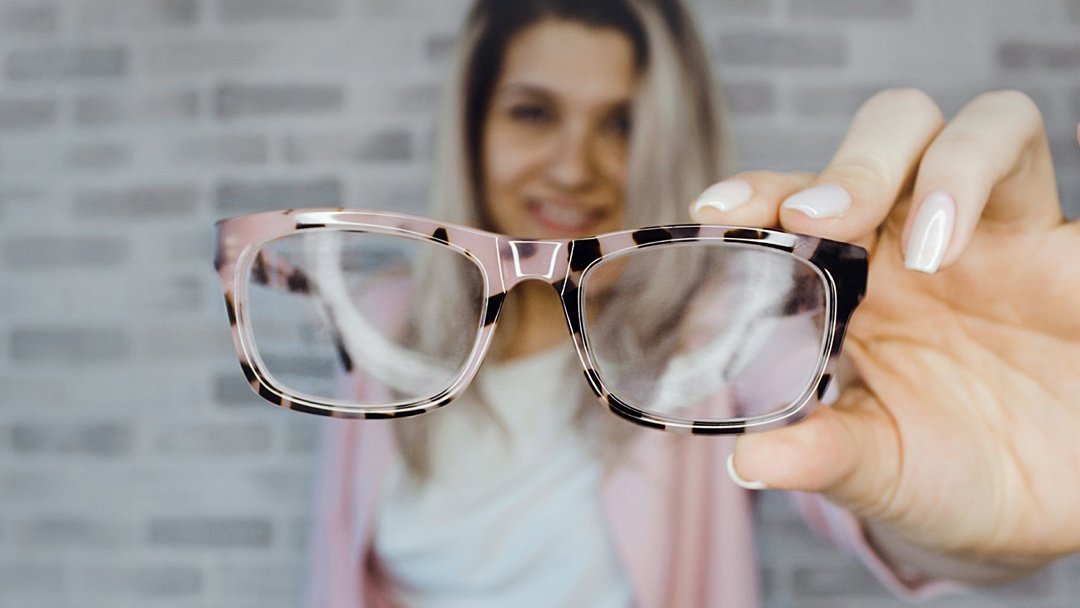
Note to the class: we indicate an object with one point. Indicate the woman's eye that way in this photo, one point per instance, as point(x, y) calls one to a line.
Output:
point(531, 113)
point(619, 124)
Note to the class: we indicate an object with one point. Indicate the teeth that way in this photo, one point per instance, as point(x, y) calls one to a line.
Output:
point(565, 215)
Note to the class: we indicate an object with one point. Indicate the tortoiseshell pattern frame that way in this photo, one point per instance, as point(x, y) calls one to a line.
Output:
point(504, 262)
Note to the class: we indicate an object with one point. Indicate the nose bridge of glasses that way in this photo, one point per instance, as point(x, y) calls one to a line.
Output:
point(531, 260)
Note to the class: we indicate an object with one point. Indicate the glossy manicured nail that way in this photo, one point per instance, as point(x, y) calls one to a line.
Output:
point(825, 200)
point(725, 196)
point(930, 233)
point(739, 481)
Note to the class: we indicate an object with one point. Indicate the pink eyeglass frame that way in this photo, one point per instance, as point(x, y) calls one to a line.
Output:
point(504, 262)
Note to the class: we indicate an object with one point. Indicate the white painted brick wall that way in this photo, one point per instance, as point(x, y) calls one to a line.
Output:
point(136, 468)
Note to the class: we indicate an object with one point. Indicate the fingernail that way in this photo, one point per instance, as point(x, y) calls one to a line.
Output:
point(826, 200)
point(725, 196)
point(739, 481)
point(930, 233)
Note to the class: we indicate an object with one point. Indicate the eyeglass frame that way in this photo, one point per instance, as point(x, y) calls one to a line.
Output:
point(504, 262)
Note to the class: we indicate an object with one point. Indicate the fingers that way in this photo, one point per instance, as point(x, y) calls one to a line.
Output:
point(747, 199)
point(848, 453)
point(874, 164)
point(992, 162)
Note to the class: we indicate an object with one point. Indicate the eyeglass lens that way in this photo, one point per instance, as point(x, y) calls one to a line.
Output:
point(705, 331)
point(343, 329)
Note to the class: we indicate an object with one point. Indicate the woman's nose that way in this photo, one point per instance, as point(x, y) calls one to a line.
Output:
point(571, 164)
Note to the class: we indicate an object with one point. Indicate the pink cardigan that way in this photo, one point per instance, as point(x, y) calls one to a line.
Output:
point(682, 529)
point(702, 556)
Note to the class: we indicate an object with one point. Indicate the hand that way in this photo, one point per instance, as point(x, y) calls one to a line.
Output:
point(961, 430)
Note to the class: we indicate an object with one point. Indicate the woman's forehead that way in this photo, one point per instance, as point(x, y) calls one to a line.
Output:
point(569, 59)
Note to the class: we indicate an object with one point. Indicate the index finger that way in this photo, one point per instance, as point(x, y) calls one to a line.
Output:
point(991, 163)
point(873, 166)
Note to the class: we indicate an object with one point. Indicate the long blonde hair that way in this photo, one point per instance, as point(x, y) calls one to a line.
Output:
point(679, 142)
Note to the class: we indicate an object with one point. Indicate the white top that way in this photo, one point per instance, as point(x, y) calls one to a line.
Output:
point(511, 514)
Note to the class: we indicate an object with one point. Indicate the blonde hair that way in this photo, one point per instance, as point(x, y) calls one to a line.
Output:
point(679, 144)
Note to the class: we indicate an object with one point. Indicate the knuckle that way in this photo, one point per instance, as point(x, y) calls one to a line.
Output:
point(868, 173)
point(908, 100)
point(1015, 105)
point(1013, 101)
point(955, 147)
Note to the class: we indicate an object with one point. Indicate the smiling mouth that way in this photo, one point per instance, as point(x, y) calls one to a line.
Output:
point(564, 217)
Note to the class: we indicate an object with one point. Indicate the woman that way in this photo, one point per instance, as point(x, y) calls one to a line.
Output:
point(567, 119)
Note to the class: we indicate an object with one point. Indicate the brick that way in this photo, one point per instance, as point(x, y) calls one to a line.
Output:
point(27, 113)
point(778, 538)
point(153, 581)
point(231, 389)
point(750, 97)
point(98, 156)
point(236, 197)
point(769, 584)
point(31, 391)
point(21, 194)
point(1069, 568)
point(440, 48)
point(841, 100)
point(249, 11)
point(67, 63)
point(187, 341)
point(421, 98)
point(217, 150)
point(786, 149)
point(413, 8)
point(43, 579)
point(239, 100)
point(30, 486)
point(210, 532)
point(190, 244)
point(300, 533)
point(29, 18)
point(261, 581)
point(1039, 585)
point(94, 110)
point(45, 297)
point(852, 9)
point(175, 293)
point(782, 49)
point(157, 108)
point(101, 439)
point(386, 145)
point(402, 194)
point(140, 202)
point(68, 533)
point(288, 487)
point(215, 439)
point(834, 580)
point(1016, 55)
point(68, 345)
point(123, 15)
point(302, 438)
point(192, 56)
point(47, 251)
point(732, 8)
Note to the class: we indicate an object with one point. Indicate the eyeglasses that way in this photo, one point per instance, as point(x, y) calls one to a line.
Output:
point(690, 328)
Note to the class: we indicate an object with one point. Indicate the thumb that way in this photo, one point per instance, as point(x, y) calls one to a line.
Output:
point(849, 453)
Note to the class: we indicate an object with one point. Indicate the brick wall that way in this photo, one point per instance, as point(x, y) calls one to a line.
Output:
point(136, 469)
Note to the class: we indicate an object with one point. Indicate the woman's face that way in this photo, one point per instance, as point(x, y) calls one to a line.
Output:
point(556, 132)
